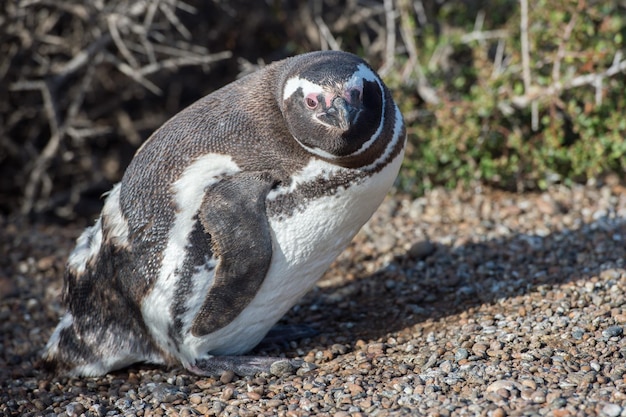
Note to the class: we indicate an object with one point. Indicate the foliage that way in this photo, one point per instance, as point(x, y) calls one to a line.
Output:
point(85, 82)
point(566, 125)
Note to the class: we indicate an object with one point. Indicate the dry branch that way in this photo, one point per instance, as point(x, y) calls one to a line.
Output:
point(142, 48)
point(81, 76)
point(556, 88)
point(390, 38)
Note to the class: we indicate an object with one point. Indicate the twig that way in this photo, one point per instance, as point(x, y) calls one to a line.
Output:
point(390, 37)
point(479, 22)
point(413, 65)
point(484, 35)
point(409, 42)
point(77, 10)
point(378, 46)
point(143, 34)
point(617, 67)
point(58, 129)
point(83, 58)
point(560, 54)
point(148, 18)
point(526, 77)
point(87, 132)
point(356, 17)
point(112, 23)
point(188, 8)
point(498, 60)
point(79, 96)
point(183, 61)
point(42, 162)
point(134, 74)
point(326, 37)
point(183, 49)
point(173, 19)
point(420, 12)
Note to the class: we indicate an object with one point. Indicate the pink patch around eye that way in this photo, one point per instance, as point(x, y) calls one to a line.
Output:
point(311, 101)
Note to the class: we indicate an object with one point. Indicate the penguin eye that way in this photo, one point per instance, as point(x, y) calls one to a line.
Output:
point(311, 101)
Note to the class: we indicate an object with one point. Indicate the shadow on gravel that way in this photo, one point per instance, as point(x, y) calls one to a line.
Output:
point(453, 279)
point(444, 281)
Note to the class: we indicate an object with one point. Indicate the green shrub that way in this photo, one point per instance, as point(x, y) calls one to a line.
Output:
point(567, 125)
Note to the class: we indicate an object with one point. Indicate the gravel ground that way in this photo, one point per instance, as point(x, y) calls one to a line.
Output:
point(457, 303)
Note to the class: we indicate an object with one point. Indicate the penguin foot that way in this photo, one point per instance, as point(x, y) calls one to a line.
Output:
point(280, 335)
point(249, 365)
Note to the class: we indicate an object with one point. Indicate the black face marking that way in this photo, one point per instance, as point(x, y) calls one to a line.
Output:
point(233, 213)
point(339, 114)
point(377, 148)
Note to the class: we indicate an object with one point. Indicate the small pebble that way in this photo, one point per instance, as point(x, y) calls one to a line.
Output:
point(227, 393)
point(227, 377)
point(479, 349)
point(74, 409)
point(578, 333)
point(305, 368)
point(422, 249)
point(611, 410)
point(253, 395)
point(282, 367)
point(505, 384)
point(467, 308)
point(498, 412)
point(613, 331)
point(460, 354)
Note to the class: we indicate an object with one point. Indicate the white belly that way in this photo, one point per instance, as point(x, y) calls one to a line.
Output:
point(304, 246)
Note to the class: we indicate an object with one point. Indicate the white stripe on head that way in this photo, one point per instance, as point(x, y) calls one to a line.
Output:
point(363, 73)
point(397, 132)
point(295, 83)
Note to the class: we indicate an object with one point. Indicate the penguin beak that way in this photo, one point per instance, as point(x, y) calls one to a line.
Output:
point(341, 114)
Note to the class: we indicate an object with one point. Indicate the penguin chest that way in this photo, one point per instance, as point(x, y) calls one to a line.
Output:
point(304, 243)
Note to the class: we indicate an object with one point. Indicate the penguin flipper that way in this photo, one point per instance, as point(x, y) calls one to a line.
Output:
point(233, 214)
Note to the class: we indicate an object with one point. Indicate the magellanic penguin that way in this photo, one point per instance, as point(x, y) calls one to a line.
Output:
point(226, 216)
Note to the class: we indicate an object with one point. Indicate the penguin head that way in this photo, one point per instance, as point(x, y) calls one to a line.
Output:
point(333, 103)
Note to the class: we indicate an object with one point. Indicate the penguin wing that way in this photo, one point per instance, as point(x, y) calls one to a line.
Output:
point(233, 214)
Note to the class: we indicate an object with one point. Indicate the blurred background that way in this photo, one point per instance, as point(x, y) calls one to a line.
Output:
point(512, 94)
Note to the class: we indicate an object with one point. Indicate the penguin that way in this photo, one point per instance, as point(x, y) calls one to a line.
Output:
point(226, 216)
